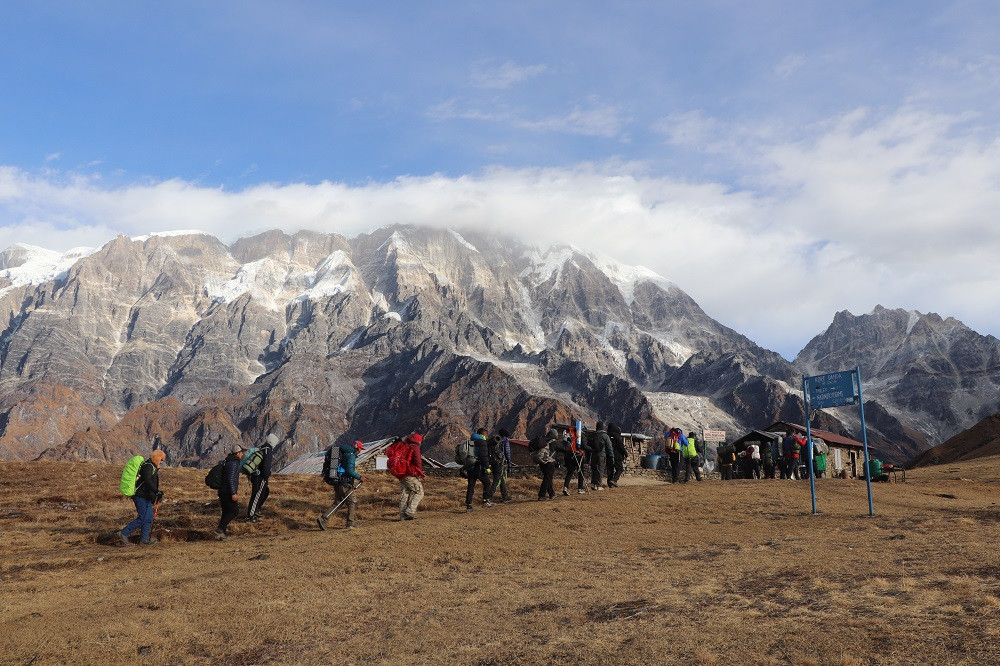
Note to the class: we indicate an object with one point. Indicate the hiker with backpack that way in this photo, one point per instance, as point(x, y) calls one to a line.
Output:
point(228, 490)
point(257, 466)
point(145, 487)
point(725, 457)
point(343, 474)
point(672, 448)
point(406, 465)
point(543, 453)
point(573, 457)
point(616, 466)
point(500, 463)
point(477, 469)
point(689, 452)
point(602, 455)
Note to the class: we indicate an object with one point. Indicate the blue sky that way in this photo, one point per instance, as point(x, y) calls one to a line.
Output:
point(780, 161)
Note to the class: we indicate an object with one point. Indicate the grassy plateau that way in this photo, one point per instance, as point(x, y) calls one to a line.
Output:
point(650, 573)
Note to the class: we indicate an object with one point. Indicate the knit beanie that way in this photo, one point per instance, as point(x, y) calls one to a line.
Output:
point(157, 456)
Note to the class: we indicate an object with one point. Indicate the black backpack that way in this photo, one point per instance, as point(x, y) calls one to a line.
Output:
point(331, 465)
point(214, 477)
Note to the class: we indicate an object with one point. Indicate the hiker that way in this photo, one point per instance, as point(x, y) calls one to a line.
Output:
point(690, 455)
point(819, 461)
point(725, 456)
point(768, 454)
point(228, 499)
point(147, 495)
point(542, 452)
point(479, 471)
point(602, 455)
point(752, 455)
point(259, 488)
point(790, 451)
point(413, 472)
point(803, 457)
point(573, 457)
point(673, 451)
point(616, 467)
point(343, 490)
point(500, 463)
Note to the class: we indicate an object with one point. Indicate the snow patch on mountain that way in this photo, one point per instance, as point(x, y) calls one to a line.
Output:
point(462, 240)
point(914, 318)
point(333, 276)
point(627, 277)
point(262, 279)
point(27, 264)
point(165, 234)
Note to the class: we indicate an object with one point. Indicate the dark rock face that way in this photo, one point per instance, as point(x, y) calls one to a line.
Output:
point(926, 378)
point(319, 338)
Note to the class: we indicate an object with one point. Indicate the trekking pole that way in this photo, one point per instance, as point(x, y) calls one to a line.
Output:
point(326, 516)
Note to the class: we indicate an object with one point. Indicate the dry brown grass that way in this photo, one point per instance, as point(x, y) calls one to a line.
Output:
point(709, 573)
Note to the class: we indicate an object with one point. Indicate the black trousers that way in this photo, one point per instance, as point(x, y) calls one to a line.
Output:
point(675, 466)
point(259, 490)
point(574, 467)
point(230, 509)
point(548, 474)
point(727, 472)
point(615, 468)
point(478, 473)
point(597, 468)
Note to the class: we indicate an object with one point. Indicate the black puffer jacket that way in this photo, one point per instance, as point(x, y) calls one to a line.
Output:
point(231, 476)
point(617, 442)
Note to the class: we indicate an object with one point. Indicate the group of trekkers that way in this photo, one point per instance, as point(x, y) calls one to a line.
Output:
point(487, 461)
point(787, 459)
point(599, 456)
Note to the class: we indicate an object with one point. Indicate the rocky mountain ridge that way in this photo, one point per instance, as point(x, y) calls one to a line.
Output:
point(318, 337)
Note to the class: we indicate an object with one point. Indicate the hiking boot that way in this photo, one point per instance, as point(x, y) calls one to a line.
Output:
point(468, 508)
point(581, 491)
point(148, 542)
point(600, 487)
point(124, 539)
point(566, 490)
point(350, 526)
point(488, 504)
point(220, 535)
point(612, 484)
point(407, 516)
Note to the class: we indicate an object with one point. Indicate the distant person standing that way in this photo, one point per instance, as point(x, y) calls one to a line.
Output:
point(673, 450)
point(726, 456)
point(753, 461)
point(228, 492)
point(790, 451)
point(767, 456)
point(690, 455)
point(147, 494)
point(259, 487)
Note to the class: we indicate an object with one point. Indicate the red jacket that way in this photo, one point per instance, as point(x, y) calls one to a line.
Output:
point(414, 464)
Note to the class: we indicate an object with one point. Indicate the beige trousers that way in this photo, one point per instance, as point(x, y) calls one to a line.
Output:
point(409, 499)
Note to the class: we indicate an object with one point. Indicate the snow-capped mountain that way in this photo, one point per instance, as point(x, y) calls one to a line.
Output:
point(320, 337)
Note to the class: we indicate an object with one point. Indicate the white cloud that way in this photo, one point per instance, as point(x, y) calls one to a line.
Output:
point(506, 75)
point(898, 210)
point(789, 65)
point(595, 119)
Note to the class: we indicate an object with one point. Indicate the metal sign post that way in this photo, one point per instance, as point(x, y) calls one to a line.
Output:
point(835, 390)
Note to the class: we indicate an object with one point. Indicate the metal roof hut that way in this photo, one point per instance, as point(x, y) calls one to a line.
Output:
point(844, 453)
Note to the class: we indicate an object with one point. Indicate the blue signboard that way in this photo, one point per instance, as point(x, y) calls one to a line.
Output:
point(832, 390)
